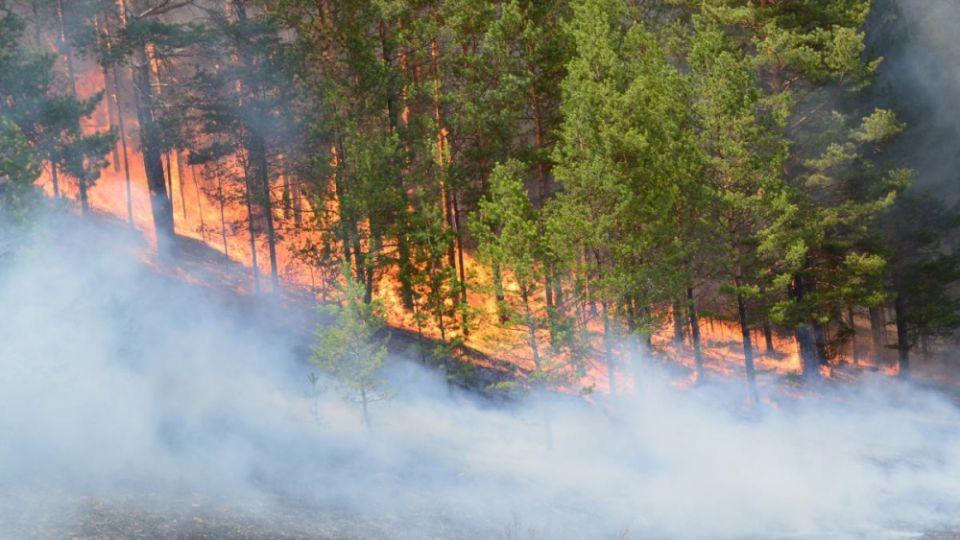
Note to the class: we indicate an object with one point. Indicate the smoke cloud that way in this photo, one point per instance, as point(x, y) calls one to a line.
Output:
point(126, 392)
point(920, 79)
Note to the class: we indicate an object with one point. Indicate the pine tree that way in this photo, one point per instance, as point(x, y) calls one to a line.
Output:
point(738, 129)
point(47, 122)
point(625, 152)
point(351, 348)
point(144, 37)
point(508, 230)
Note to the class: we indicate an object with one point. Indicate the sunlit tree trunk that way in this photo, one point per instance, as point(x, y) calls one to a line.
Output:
point(152, 156)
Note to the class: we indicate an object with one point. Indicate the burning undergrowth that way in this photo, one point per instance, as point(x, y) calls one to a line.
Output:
point(135, 402)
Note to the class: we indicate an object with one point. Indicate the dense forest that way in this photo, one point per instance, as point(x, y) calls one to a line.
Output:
point(586, 181)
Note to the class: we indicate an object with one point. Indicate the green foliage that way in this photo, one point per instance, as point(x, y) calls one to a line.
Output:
point(39, 125)
point(19, 167)
point(351, 348)
point(601, 157)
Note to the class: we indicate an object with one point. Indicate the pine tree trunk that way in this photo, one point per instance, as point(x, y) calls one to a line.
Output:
point(677, 326)
point(878, 333)
point(67, 52)
point(820, 337)
point(854, 353)
point(695, 335)
point(169, 177)
point(445, 190)
point(903, 341)
point(84, 199)
point(768, 337)
point(747, 344)
point(558, 299)
point(531, 328)
point(810, 365)
point(183, 197)
point(608, 350)
point(55, 180)
point(462, 268)
point(251, 225)
point(118, 103)
point(109, 101)
point(405, 272)
point(366, 412)
point(498, 292)
point(160, 205)
point(196, 187)
point(223, 220)
point(257, 153)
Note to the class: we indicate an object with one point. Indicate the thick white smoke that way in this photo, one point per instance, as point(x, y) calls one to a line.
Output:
point(125, 389)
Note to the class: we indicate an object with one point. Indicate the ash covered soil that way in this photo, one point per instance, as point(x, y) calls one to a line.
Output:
point(142, 516)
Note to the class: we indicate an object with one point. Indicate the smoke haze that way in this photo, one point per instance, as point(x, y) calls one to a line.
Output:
point(920, 78)
point(118, 380)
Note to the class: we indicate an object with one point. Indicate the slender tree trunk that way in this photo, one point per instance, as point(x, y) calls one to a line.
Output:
point(371, 264)
point(183, 198)
point(677, 326)
point(420, 340)
point(405, 271)
point(608, 350)
point(223, 220)
point(539, 141)
point(747, 344)
point(498, 292)
point(854, 353)
point(633, 341)
point(257, 152)
point(820, 338)
point(55, 180)
point(531, 328)
point(251, 225)
point(196, 187)
point(695, 334)
point(768, 337)
point(118, 103)
point(810, 364)
point(84, 199)
point(903, 341)
point(110, 101)
point(442, 149)
point(547, 289)
point(297, 203)
point(366, 412)
point(169, 179)
point(555, 282)
point(462, 269)
point(67, 52)
point(878, 333)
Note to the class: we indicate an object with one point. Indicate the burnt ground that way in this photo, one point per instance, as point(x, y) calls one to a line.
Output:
point(186, 517)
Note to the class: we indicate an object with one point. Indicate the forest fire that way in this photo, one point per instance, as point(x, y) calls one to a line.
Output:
point(444, 269)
